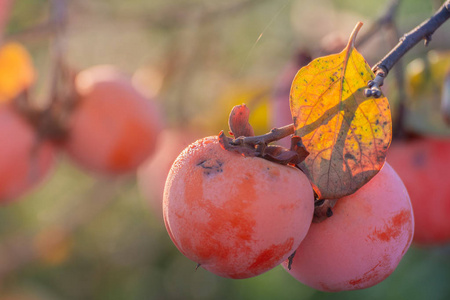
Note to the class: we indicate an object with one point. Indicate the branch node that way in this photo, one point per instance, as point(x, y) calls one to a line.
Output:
point(374, 85)
point(368, 93)
point(427, 39)
point(413, 37)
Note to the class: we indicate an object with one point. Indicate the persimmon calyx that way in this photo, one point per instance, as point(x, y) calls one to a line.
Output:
point(323, 209)
point(238, 121)
point(247, 144)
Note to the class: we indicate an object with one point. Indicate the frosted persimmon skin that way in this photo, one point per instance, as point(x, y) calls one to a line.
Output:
point(363, 241)
point(423, 165)
point(236, 216)
point(113, 129)
point(24, 160)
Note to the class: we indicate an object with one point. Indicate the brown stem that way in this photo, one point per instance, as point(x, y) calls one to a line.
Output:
point(274, 135)
point(422, 32)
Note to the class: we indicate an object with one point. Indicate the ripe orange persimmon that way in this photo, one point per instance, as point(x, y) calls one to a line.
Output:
point(423, 164)
point(113, 128)
point(236, 216)
point(24, 160)
point(363, 241)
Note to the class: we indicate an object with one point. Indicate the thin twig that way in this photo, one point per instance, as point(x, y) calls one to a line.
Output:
point(422, 32)
point(274, 135)
point(385, 19)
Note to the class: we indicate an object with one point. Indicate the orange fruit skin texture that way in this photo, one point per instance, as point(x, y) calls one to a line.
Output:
point(152, 174)
point(363, 241)
point(114, 128)
point(236, 216)
point(24, 161)
point(424, 166)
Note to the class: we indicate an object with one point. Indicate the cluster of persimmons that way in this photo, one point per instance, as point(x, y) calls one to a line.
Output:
point(234, 214)
point(107, 127)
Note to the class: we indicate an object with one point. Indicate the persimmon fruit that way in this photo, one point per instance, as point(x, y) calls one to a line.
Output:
point(24, 159)
point(113, 128)
point(236, 216)
point(364, 240)
point(423, 164)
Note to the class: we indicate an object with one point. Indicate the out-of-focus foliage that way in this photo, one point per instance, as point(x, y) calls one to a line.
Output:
point(78, 237)
point(16, 71)
point(425, 77)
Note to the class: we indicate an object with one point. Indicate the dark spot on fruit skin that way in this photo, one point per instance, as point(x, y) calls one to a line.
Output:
point(329, 212)
point(350, 156)
point(201, 162)
point(211, 166)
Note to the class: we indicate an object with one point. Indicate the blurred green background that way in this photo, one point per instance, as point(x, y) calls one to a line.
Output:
point(81, 237)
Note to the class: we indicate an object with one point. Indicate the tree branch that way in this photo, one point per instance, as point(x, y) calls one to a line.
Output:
point(385, 19)
point(422, 32)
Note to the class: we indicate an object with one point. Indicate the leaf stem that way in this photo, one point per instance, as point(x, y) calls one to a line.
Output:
point(352, 39)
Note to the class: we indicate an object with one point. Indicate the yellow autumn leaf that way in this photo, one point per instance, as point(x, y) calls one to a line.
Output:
point(16, 71)
point(346, 133)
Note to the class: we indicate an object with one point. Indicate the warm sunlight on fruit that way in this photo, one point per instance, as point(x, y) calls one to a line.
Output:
point(236, 216)
point(364, 240)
